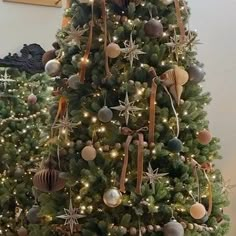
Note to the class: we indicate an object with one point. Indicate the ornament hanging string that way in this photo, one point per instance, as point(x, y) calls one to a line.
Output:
point(180, 21)
point(173, 107)
point(84, 60)
point(65, 20)
point(152, 108)
point(130, 133)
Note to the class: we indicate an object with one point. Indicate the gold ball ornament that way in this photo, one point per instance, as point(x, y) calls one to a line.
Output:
point(197, 211)
point(112, 197)
point(22, 231)
point(204, 137)
point(89, 153)
point(53, 68)
point(113, 50)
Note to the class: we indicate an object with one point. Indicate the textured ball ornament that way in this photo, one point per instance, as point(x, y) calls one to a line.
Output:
point(204, 137)
point(197, 211)
point(49, 55)
point(112, 197)
point(22, 231)
point(105, 114)
point(173, 228)
point(73, 81)
point(153, 29)
point(167, 2)
point(196, 73)
point(89, 153)
point(32, 215)
point(113, 50)
point(175, 145)
point(53, 67)
point(32, 99)
point(48, 180)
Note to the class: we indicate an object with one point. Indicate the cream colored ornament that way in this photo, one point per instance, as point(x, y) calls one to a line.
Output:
point(89, 153)
point(112, 197)
point(197, 211)
point(113, 50)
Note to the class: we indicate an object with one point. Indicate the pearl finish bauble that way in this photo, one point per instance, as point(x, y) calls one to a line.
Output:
point(167, 2)
point(32, 215)
point(113, 50)
point(112, 197)
point(53, 67)
point(175, 145)
point(22, 231)
point(196, 73)
point(105, 114)
point(197, 211)
point(173, 228)
point(73, 81)
point(32, 99)
point(89, 153)
point(204, 137)
point(153, 29)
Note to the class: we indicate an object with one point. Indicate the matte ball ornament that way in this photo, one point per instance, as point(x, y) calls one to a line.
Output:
point(49, 55)
point(53, 67)
point(204, 137)
point(22, 231)
point(32, 215)
point(112, 197)
point(197, 211)
point(133, 231)
point(19, 172)
point(175, 145)
point(113, 50)
point(32, 99)
point(73, 81)
point(173, 228)
point(153, 29)
point(167, 2)
point(196, 73)
point(105, 114)
point(89, 153)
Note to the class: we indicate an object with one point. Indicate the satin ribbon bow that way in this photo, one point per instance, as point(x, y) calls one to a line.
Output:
point(130, 133)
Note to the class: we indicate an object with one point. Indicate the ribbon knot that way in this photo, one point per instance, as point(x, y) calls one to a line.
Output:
point(131, 133)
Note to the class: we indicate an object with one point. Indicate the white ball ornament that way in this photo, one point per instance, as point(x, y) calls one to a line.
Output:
point(53, 67)
point(105, 114)
point(89, 153)
point(197, 211)
point(167, 2)
point(173, 228)
point(113, 50)
point(112, 197)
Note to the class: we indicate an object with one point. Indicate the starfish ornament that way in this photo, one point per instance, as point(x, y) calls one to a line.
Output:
point(5, 79)
point(227, 186)
point(126, 108)
point(131, 50)
point(152, 176)
point(71, 216)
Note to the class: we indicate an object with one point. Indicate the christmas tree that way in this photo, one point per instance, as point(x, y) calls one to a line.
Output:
point(23, 117)
point(130, 151)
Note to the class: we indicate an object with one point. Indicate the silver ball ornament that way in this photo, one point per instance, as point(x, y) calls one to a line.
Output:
point(196, 73)
point(197, 211)
point(112, 197)
point(105, 114)
point(32, 215)
point(113, 50)
point(173, 228)
point(53, 67)
point(167, 2)
point(73, 81)
point(153, 29)
point(22, 231)
point(32, 99)
point(89, 153)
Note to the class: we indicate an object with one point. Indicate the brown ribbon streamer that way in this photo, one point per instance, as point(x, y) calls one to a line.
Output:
point(104, 15)
point(130, 133)
point(66, 19)
point(180, 21)
point(210, 197)
point(87, 51)
point(152, 109)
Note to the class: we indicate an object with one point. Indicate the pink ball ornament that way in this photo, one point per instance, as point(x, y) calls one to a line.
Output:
point(204, 137)
point(32, 99)
point(197, 211)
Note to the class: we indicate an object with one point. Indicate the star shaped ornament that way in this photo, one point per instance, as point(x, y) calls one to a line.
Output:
point(126, 108)
point(131, 50)
point(71, 216)
point(5, 79)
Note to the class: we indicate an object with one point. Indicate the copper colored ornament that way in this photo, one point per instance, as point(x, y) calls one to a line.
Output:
point(113, 50)
point(89, 153)
point(22, 231)
point(32, 99)
point(49, 55)
point(153, 29)
point(204, 137)
point(48, 179)
point(197, 211)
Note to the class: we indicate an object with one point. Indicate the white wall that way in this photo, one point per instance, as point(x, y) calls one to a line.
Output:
point(214, 20)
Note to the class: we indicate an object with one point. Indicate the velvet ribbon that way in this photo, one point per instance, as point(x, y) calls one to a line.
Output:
point(130, 134)
point(152, 108)
point(66, 20)
point(180, 21)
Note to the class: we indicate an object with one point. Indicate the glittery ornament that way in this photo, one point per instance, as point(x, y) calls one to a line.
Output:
point(113, 50)
point(89, 153)
point(32, 99)
point(32, 215)
point(173, 228)
point(22, 231)
point(112, 197)
point(105, 114)
point(153, 29)
point(197, 211)
point(53, 67)
point(204, 137)
point(73, 81)
point(175, 145)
